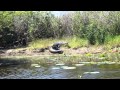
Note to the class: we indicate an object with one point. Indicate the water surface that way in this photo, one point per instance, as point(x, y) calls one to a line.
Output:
point(61, 71)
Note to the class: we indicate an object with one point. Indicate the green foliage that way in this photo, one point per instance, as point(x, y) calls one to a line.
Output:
point(102, 55)
point(113, 41)
point(18, 28)
point(76, 42)
point(91, 34)
point(114, 23)
point(101, 36)
point(7, 38)
point(88, 54)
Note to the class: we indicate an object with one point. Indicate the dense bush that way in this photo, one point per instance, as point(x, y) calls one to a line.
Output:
point(17, 28)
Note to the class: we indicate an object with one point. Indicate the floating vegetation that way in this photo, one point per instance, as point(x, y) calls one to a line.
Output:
point(66, 67)
point(102, 58)
point(96, 72)
point(60, 64)
point(79, 64)
point(88, 54)
point(35, 65)
point(85, 62)
point(60, 60)
point(111, 63)
point(80, 76)
point(102, 55)
point(56, 68)
point(100, 63)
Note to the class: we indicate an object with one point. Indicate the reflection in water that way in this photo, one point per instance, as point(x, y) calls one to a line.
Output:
point(86, 71)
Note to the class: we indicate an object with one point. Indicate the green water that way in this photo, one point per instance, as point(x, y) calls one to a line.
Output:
point(61, 71)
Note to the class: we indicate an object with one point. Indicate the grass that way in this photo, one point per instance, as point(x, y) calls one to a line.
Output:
point(41, 43)
point(111, 45)
point(112, 42)
point(74, 42)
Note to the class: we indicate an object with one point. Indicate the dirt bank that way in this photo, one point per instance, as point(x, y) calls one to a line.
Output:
point(67, 51)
